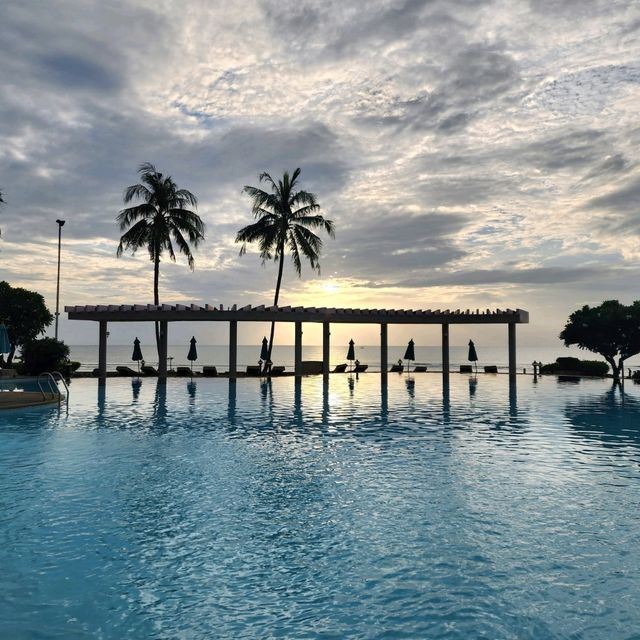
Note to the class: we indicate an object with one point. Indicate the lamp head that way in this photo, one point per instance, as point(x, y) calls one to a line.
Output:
point(61, 222)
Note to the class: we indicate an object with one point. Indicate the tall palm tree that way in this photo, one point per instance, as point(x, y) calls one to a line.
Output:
point(161, 219)
point(285, 219)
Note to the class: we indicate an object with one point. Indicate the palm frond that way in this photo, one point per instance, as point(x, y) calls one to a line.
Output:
point(136, 237)
point(309, 244)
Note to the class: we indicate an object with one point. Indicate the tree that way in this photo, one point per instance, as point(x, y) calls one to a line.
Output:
point(285, 219)
point(25, 314)
point(46, 354)
point(161, 219)
point(612, 330)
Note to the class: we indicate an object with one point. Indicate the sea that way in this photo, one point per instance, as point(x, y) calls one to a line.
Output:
point(431, 356)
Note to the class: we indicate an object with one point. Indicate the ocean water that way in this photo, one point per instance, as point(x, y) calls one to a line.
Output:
point(209, 509)
point(284, 354)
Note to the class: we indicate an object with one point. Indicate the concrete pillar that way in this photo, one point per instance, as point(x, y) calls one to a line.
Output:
point(326, 348)
point(512, 351)
point(384, 352)
point(298, 350)
point(445, 355)
point(102, 353)
point(233, 349)
point(162, 355)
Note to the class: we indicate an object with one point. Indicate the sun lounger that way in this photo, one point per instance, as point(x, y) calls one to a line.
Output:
point(148, 370)
point(397, 368)
point(311, 367)
point(277, 370)
point(253, 370)
point(466, 368)
point(420, 369)
point(184, 371)
point(361, 368)
point(340, 368)
point(491, 368)
point(209, 371)
point(126, 371)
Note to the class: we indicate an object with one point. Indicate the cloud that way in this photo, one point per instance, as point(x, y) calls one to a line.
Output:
point(450, 145)
point(620, 207)
point(532, 276)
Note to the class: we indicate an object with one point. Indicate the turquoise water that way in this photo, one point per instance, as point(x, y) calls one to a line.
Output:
point(254, 510)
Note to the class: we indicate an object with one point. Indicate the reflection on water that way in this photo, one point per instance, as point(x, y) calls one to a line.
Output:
point(136, 385)
point(274, 508)
point(612, 417)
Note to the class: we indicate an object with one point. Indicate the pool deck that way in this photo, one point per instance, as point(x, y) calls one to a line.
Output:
point(21, 399)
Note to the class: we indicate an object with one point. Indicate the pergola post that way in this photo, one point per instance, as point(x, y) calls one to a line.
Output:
point(326, 348)
point(102, 354)
point(384, 353)
point(233, 349)
point(162, 355)
point(512, 352)
point(298, 350)
point(445, 355)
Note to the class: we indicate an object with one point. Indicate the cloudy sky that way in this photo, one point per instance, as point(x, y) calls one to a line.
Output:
point(471, 153)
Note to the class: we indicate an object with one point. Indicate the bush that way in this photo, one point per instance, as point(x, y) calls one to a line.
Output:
point(46, 354)
point(574, 365)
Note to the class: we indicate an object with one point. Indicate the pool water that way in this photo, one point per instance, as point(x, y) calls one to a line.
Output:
point(211, 510)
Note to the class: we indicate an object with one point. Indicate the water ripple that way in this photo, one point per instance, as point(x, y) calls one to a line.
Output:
point(266, 510)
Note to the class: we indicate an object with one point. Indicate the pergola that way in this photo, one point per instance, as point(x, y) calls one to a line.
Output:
point(166, 313)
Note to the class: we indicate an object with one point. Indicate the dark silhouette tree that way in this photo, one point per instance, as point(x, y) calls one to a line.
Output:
point(285, 219)
point(611, 329)
point(161, 219)
point(25, 314)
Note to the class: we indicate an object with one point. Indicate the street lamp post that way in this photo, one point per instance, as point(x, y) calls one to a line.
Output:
point(60, 225)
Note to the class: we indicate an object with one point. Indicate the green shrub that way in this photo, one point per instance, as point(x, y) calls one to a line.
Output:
point(574, 365)
point(46, 354)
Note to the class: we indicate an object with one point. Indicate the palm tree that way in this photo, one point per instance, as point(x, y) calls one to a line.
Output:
point(161, 217)
point(285, 219)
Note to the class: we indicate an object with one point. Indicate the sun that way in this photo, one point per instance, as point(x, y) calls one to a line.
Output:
point(330, 287)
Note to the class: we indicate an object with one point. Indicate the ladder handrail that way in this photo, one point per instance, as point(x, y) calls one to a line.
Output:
point(49, 378)
point(57, 375)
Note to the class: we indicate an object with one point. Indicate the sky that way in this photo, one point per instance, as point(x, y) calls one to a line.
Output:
point(472, 154)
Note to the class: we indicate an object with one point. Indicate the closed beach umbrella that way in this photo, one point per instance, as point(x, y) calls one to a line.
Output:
point(193, 352)
point(264, 352)
point(351, 354)
point(5, 344)
point(410, 353)
point(473, 356)
point(137, 352)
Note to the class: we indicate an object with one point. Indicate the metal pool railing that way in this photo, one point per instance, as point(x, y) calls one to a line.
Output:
point(52, 380)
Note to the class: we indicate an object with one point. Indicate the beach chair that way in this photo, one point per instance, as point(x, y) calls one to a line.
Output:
point(397, 368)
point(420, 369)
point(253, 370)
point(466, 368)
point(209, 371)
point(183, 371)
point(340, 368)
point(126, 371)
point(491, 368)
point(277, 371)
point(148, 370)
point(361, 368)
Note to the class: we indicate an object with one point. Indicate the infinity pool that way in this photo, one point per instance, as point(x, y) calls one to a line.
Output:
point(209, 510)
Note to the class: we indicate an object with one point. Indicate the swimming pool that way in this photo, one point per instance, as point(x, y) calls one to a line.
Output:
point(258, 510)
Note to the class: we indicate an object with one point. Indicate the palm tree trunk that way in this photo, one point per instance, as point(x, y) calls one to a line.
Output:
point(156, 295)
point(275, 299)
